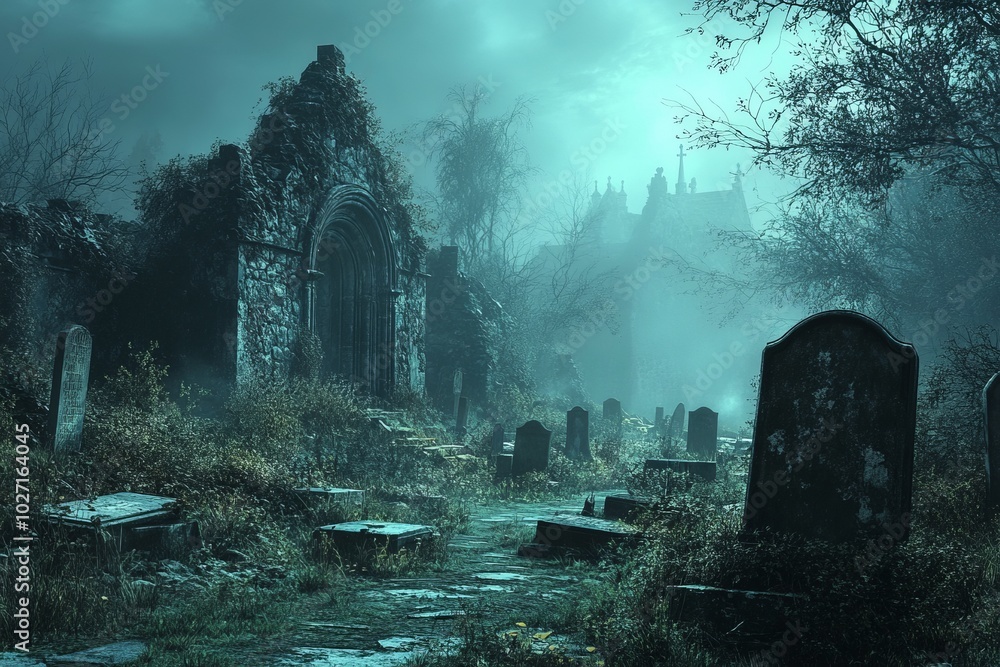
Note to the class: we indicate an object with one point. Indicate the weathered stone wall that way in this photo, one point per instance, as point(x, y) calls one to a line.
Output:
point(56, 270)
point(464, 326)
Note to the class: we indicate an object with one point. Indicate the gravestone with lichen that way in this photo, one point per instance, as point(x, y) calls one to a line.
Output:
point(832, 450)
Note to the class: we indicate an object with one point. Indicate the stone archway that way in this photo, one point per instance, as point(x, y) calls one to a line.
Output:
point(351, 299)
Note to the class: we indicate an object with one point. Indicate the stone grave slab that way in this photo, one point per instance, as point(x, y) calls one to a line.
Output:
point(314, 494)
point(578, 434)
point(531, 449)
point(117, 509)
point(68, 398)
point(119, 653)
point(707, 470)
point(364, 534)
point(748, 619)
point(991, 418)
point(623, 506)
point(832, 454)
point(165, 540)
point(703, 433)
point(581, 533)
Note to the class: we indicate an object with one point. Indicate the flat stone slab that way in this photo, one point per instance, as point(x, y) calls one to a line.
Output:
point(119, 653)
point(580, 532)
point(19, 660)
point(622, 506)
point(346, 496)
point(343, 657)
point(704, 469)
point(360, 534)
point(117, 509)
point(745, 618)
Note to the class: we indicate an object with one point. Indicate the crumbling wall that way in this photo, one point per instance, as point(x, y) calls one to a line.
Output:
point(465, 326)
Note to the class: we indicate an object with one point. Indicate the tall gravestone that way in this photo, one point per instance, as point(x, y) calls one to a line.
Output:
point(612, 414)
point(991, 413)
point(658, 425)
point(496, 442)
point(578, 434)
point(703, 433)
point(833, 441)
point(70, 376)
point(531, 448)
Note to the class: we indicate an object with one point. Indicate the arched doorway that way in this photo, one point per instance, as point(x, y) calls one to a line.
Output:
point(351, 301)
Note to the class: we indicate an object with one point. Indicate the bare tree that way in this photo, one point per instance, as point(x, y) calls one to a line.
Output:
point(481, 168)
point(54, 141)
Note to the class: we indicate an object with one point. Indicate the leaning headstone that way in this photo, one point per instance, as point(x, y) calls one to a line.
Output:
point(703, 433)
point(68, 399)
point(991, 410)
point(578, 434)
point(658, 424)
point(531, 448)
point(462, 420)
point(832, 451)
point(676, 426)
point(496, 444)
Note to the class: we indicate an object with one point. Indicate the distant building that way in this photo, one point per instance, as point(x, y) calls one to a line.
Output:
point(624, 350)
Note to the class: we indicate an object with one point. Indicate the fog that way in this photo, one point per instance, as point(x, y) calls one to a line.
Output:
point(595, 75)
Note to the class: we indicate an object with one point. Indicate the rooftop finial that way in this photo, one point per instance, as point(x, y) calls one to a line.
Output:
point(681, 183)
point(738, 178)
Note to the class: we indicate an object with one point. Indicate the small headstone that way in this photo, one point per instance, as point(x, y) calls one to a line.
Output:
point(703, 433)
point(531, 448)
point(578, 434)
point(991, 410)
point(313, 494)
point(676, 425)
point(496, 444)
point(658, 423)
point(504, 465)
point(70, 376)
point(462, 420)
point(456, 389)
point(612, 414)
point(832, 451)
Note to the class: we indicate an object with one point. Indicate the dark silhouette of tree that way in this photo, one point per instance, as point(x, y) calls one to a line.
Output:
point(55, 142)
point(481, 168)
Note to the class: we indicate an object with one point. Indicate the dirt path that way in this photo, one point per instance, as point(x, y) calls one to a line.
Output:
point(382, 623)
